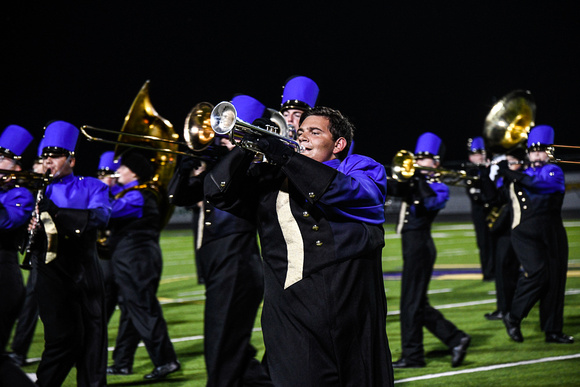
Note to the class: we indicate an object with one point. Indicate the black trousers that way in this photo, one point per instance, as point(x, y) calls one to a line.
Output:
point(419, 256)
point(137, 266)
point(111, 287)
point(541, 246)
point(507, 271)
point(11, 294)
point(234, 280)
point(11, 375)
point(28, 317)
point(484, 240)
point(70, 299)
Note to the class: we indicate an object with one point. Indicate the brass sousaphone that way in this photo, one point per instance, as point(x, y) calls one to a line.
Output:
point(509, 121)
point(156, 139)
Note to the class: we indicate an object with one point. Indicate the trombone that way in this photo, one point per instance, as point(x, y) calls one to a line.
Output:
point(197, 133)
point(404, 166)
point(553, 159)
point(225, 121)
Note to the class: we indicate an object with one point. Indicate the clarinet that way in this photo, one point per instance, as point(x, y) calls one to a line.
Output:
point(31, 236)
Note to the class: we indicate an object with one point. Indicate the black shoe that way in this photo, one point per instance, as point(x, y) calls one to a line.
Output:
point(404, 363)
point(458, 352)
point(513, 328)
point(114, 370)
point(497, 315)
point(163, 370)
point(559, 338)
point(19, 360)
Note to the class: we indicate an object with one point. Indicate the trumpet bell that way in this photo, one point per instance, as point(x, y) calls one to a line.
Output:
point(509, 121)
point(225, 121)
point(223, 118)
point(198, 133)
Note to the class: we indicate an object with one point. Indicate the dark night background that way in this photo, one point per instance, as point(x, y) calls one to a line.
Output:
point(396, 70)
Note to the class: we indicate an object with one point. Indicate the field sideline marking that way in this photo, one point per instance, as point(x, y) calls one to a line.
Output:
point(448, 306)
point(489, 368)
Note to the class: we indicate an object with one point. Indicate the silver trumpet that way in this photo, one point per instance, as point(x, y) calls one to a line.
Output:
point(225, 121)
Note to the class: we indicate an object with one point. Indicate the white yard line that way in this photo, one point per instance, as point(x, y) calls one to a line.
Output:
point(489, 368)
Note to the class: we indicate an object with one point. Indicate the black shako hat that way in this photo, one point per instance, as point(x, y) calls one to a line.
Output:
point(139, 165)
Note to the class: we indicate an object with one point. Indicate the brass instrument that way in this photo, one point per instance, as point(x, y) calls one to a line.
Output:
point(197, 132)
point(404, 166)
point(27, 179)
point(553, 159)
point(225, 121)
point(509, 121)
point(145, 129)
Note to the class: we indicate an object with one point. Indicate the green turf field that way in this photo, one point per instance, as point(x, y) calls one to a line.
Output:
point(492, 358)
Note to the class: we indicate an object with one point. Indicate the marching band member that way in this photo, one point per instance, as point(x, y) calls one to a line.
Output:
point(479, 209)
point(320, 219)
point(106, 172)
point(419, 208)
point(496, 194)
point(69, 286)
point(137, 263)
point(230, 263)
point(28, 317)
point(299, 95)
point(539, 239)
point(16, 205)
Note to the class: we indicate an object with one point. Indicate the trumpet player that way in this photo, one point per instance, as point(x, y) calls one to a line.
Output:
point(539, 239)
point(320, 217)
point(229, 261)
point(69, 286)
point(16, 205)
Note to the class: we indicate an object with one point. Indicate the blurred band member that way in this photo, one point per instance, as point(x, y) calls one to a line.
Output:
point(230, 263)
point(135, 225)
point(299, 95)
point(107, 173)
point(539, 239)
point(69, 286)
point(479, 209)
point(424, 199)
point(16, 205)
point(28, 317)
point(496, 194)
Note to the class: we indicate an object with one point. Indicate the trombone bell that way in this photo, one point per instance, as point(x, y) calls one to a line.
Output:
point(198, 133)
point(403, 165)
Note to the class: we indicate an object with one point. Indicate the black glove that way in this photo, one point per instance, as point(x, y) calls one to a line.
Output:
point(188, 164)
point(420, 188)
point(263, 123)
point(503, 166)
point(47, 205)
point(275, 150)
